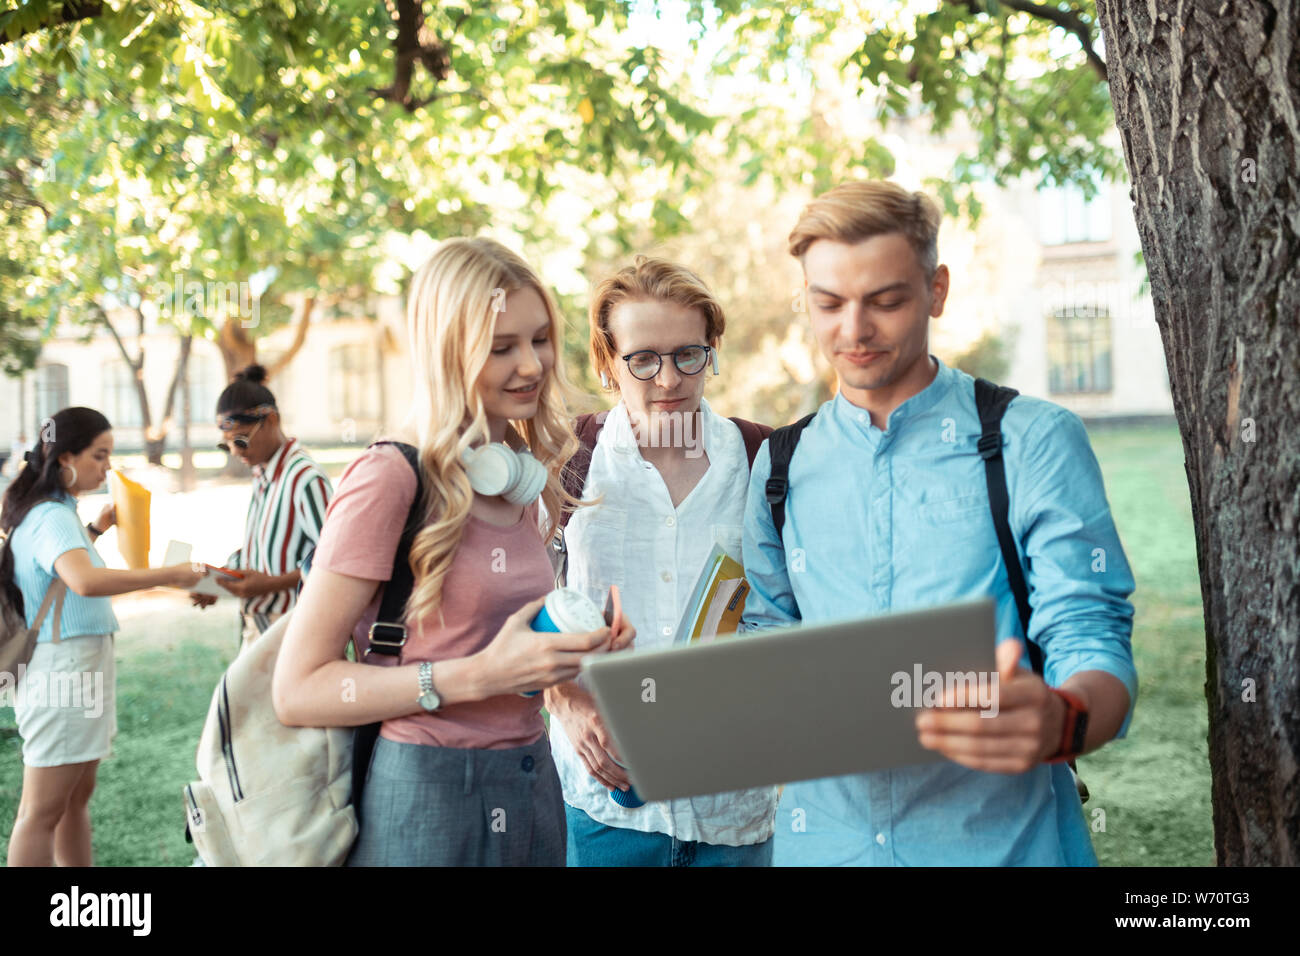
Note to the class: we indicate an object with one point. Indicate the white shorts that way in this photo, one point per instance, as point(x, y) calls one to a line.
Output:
point(66, 702)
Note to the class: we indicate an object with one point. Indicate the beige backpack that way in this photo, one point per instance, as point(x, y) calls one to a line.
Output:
point(271, 795)
point(267, 794)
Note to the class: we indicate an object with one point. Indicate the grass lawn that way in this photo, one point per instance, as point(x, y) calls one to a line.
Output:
point(1153, 787)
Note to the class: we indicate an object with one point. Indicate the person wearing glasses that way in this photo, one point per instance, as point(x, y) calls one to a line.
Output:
point(669, 479)
point(285, 514)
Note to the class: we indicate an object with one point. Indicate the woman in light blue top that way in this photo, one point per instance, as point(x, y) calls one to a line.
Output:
point(64, 698)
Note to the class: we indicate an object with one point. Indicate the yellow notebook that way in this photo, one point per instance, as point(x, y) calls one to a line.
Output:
point(717, 602)
point(132, 503)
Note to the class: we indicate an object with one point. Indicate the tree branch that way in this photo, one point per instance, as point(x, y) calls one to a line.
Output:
point(1066, 19)
point(182, 362)
point(69, 12)
point(414, 42)
point(300, 336)
point(121, 346)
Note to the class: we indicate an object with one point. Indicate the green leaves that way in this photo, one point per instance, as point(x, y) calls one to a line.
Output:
point(224, 139)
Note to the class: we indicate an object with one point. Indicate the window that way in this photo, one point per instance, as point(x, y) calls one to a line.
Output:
point(1078, 351)
point(354, 383)
point(1065, 216)
point(203, 375)
point(51, 392)
point(120, 402)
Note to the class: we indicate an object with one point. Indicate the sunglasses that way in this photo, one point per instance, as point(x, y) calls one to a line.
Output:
point(240, 441)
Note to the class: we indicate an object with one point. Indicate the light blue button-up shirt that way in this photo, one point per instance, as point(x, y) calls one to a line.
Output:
point(894, 520)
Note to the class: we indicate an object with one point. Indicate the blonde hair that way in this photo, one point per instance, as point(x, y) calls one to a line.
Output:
point(852, 212)
point(649, 280)
point(451, 316)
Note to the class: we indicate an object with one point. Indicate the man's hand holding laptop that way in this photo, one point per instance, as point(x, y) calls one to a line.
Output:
point(1030, 719)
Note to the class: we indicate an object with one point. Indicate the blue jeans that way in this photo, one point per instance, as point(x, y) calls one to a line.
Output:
point(595, 844)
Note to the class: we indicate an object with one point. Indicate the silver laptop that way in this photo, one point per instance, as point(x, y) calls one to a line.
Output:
point(790, 704)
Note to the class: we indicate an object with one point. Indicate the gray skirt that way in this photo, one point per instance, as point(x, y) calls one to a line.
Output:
point(443, 806)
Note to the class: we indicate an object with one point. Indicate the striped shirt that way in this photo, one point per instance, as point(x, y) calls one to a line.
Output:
point(290, 494)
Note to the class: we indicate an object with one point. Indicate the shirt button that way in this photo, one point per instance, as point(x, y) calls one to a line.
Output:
point(670, 521)
point(666, 576)
point(880, 838)
point(862, 417)
point(667, 631)
point(527, 764)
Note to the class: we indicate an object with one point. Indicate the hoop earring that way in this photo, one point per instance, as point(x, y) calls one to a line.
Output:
point(68, 484)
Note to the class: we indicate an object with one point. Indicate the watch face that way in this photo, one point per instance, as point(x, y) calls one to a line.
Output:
point(429, 700)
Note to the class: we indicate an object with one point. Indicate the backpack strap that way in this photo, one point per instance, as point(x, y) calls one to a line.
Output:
point(780, 447)
point(753, 434)
point(392, 607)
point(991, 403)
point(574, 474)
point(401, 583)
point(55, 594)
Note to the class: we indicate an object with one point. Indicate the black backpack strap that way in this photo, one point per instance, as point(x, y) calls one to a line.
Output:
point(780, 447)
point(991, 403)
point(391, 610)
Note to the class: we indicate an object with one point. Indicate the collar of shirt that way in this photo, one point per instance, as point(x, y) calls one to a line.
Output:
point(618, 436)
point(264, 474)
point(858, 420)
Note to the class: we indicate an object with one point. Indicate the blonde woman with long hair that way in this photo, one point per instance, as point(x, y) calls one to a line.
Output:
point(462, 772)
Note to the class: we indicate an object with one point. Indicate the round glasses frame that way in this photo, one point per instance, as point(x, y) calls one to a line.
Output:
point(705, 351)
point(241, 441)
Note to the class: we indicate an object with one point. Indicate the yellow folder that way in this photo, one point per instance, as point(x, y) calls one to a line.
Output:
point(132, 502)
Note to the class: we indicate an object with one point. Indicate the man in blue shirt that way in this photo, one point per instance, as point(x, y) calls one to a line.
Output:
point(888, 511)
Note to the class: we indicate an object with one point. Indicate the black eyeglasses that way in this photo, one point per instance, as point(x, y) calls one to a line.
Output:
point(240, 441)
point(645, 364)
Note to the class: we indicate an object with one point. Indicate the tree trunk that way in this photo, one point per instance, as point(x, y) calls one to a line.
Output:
point(1207, 96)
point(238, 350)
point(180, 384)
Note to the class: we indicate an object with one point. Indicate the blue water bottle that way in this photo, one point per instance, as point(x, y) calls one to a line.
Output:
point(567, 611)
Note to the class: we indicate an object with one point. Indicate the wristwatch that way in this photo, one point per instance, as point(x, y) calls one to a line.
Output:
point(1075, 730)
point(428, 698)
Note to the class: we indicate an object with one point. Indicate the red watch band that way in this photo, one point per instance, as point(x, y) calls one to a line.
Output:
point(1075, 711)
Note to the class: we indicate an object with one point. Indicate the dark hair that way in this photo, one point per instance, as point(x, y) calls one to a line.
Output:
point(246, 391)
point(70, 431)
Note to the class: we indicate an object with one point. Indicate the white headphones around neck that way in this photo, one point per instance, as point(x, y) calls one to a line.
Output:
point(497, 469)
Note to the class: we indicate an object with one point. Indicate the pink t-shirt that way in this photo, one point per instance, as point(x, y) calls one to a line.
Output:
point(496, 571)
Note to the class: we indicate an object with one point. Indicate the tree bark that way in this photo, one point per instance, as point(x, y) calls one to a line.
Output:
point(153, 447)
point(1207, 99)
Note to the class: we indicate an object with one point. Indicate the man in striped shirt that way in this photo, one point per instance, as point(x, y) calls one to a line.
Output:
point(285, 514)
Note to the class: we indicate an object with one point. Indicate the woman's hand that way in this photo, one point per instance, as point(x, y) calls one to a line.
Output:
point(107, 518)
point(575, 709)
point(183, 575)
point(520, 659)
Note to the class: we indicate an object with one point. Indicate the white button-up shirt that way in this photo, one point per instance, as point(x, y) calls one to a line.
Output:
point(654, 552)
